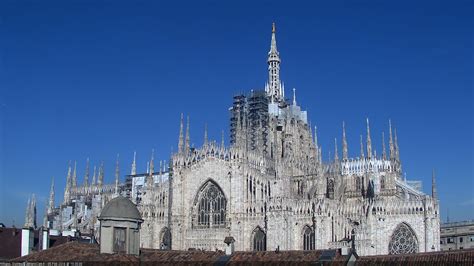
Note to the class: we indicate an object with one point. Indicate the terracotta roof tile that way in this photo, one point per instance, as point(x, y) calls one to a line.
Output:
point(295, 257)
point(171, 256)
point(463, 257)
point(89, 253)
point(75, 252)
point(86, 252)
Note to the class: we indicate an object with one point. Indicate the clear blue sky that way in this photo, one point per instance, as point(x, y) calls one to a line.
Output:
point(92, 79)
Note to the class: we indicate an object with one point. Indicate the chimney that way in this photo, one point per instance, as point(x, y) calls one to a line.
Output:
point(44, 238)
point(345, 251)
point(229, 249)
point(27, 236)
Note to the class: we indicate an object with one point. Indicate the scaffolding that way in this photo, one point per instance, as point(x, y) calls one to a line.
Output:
point(258, 120)
point(252, 110)
point(237, 112)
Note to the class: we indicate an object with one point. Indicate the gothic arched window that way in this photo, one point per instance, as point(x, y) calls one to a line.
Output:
point(382, 182)
point(358, 184)
point(330, 190)
point(308, 239)
point(259, 240)
point(403, 240)
point(165, 239)
point(210, 204)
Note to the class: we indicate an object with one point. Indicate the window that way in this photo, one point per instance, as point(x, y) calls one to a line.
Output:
point(211, 206)
point(308, 239)
point(330, 189)
point(259, 240)
point(471, 239)
point(165, 239)
point(403, 240)
point(460, 240)
point(441, 241)
point(450, 240)
point(119, 239)
point(358, 184)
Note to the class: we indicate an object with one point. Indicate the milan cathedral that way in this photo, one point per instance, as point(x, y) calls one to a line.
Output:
point(269, 189)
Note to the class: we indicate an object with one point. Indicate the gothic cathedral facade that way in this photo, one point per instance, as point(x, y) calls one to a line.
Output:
point(269, 189)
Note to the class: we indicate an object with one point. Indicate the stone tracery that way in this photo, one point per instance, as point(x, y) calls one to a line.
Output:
point(308, 239)
point(403, 240)
point(210, 206)
point(259, 240)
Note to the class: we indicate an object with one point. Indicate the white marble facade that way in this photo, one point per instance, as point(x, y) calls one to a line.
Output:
point(271, 189)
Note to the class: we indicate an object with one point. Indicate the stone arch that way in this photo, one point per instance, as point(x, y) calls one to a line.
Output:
point(403, 240)
point(309, 238)
point(259, 239)
point(165, 238)
point(210, 206)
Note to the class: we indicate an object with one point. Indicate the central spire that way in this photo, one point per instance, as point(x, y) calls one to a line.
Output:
point(274, 88)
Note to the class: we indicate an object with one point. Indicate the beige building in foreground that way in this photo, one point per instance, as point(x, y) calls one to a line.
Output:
point(457, 235)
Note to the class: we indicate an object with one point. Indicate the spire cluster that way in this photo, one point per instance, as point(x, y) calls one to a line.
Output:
point(184, 141)
point(30, 215)
point(71, 190)
point(393, 144)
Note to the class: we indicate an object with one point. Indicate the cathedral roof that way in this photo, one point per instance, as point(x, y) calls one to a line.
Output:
point(120, 208)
